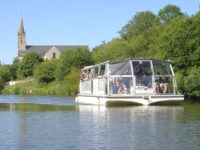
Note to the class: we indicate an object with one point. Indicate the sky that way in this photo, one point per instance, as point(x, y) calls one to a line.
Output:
point(72, 22)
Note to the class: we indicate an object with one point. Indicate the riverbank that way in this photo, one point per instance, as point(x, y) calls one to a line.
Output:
point(31, 87)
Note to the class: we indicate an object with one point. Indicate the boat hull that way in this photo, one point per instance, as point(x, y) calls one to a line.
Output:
point(132, 100)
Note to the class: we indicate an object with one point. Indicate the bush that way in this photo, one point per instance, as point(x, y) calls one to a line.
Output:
point(192, 82)
point(44, 73)
point(71, 82)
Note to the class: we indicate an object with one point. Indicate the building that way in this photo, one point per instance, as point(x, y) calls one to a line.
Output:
point(45, 51)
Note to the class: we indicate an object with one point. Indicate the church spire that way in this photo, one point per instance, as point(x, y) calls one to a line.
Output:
point(21, 37)
point(21, 27)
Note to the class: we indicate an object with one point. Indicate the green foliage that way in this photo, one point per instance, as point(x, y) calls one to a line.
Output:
point(72, 58)
point(141, 22)
point(45, 72)
point(5, 72)
point(71, 82)
point(25, 68)
point(114, 50)
point(1, 84)
point(192, 82)
point(169, 12)
point(176, 38)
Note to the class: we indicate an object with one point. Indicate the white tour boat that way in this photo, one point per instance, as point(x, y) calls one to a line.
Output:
point(130, 81)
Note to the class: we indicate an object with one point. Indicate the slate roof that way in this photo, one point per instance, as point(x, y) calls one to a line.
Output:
point(43, 49)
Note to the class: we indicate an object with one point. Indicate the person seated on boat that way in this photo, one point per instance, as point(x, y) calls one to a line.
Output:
point(146, 79)
point(122, 88)
point(84, 75)
point(139, 77)
point(114, 85)
point(161, 86)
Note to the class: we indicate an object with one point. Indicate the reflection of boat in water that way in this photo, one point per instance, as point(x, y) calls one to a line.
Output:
point(131, 81)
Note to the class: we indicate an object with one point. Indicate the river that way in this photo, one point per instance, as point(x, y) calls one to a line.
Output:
point(57, 123)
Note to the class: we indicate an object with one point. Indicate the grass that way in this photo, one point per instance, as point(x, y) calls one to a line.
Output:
point(31, 87)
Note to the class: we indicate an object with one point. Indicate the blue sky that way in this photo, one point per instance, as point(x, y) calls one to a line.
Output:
point(72, 22)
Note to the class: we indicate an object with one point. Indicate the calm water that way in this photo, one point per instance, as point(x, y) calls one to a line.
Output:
point(57, 123)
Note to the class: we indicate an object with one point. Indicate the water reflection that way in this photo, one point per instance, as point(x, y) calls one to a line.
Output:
point(29, 126)
point(23, 107)
point(129, 127)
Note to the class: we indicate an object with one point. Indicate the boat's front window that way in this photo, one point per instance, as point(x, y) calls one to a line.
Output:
point(164, 85)
point(161, 68)
point(122, 68)
point(143, 76)
point(164, 79)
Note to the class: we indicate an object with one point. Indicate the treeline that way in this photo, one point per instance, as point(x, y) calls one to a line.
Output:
point(171, 34)
point(62, 75)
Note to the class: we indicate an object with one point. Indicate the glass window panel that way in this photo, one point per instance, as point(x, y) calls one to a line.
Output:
point(164, 85)
point(142, 67)
point(96, 71)
point(102, 70)
point(161, 68)
point(122, 85)
point(122, 68)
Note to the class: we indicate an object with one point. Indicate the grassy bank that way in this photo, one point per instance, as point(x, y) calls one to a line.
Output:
point(31, 87)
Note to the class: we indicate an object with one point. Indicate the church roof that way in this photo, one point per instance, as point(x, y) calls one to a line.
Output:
point(43, 49)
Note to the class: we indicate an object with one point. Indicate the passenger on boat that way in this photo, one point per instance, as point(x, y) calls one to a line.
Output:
point(122, 88)
point(161, 86)
point(146, 79)
point(114, 85)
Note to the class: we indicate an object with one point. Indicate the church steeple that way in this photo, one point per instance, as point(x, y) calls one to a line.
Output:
point(21, 37)
point(21, 27)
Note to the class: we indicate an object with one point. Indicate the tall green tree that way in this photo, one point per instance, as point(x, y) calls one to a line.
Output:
point(27, 64)
point(72, 58)
point(142, 21)
point(5, 72)
point(169, 12)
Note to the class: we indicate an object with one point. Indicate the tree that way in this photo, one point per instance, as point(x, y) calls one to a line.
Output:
point(5, 72)
point(72, 58)
point(142, 21)
point(116, 49)
point(29, 60)
point(45, 72)
point(71, 82)
point(169, 12)
point(192, 82)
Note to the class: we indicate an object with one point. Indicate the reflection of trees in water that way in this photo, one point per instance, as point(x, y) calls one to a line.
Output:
point(25, 107)
point(130, 124)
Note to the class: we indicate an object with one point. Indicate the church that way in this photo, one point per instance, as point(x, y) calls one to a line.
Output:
point(45, 51)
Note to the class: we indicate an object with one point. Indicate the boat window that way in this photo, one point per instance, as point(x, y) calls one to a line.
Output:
point(122, 85)
point(122, 68)
point(142, 67)
point(102, 70)
point(96, 69)
point(90, 73)
point(164, 85)
point(161, 68)
point(143, 76)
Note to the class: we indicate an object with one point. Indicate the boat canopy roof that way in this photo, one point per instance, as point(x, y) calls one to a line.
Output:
point(127, 60)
